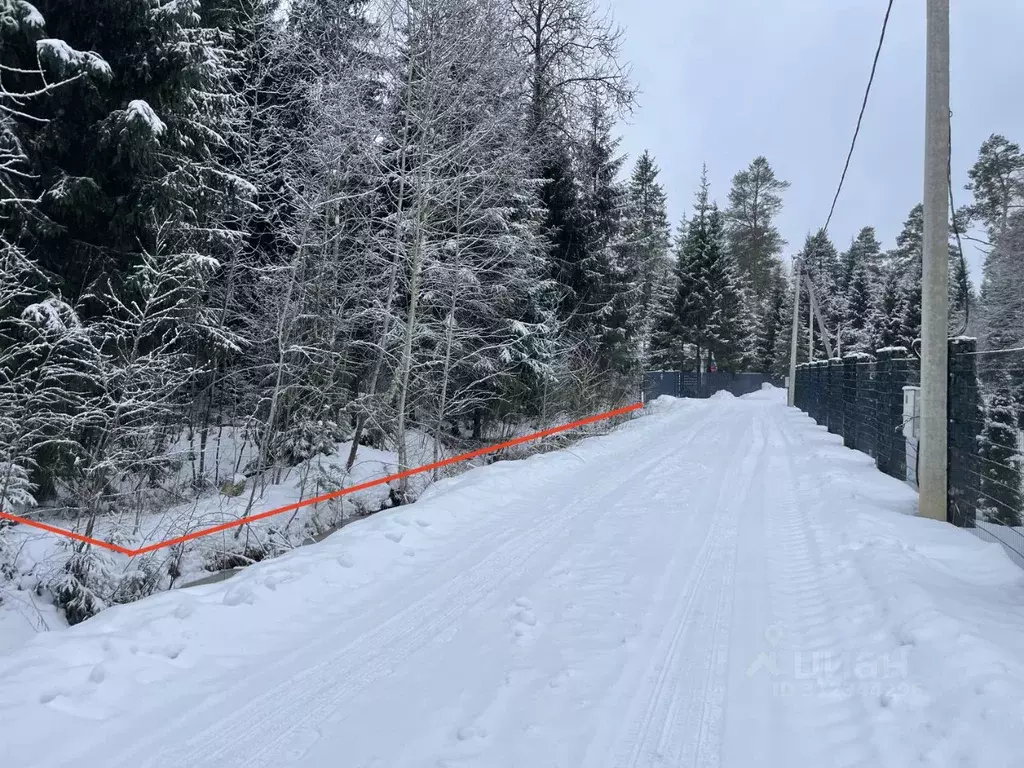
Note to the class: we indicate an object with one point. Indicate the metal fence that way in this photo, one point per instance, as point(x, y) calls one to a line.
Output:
point(868, 401)
point(701, 385)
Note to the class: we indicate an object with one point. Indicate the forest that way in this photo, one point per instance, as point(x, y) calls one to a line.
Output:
point(246, 243)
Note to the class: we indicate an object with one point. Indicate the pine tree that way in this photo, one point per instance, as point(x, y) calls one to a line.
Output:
point(997, 182)
point(755, 201)
point(1001, 498)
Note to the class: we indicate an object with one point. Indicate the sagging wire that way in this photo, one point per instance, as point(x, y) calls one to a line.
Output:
point(965, 290)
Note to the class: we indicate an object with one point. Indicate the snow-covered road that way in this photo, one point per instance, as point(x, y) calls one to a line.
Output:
point(717, 583)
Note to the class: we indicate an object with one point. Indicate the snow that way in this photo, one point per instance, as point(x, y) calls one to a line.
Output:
point(31, 15)
point(718, 582)
point(67, 58)
point(139, 111)
point(41, 557)
point(49, 314)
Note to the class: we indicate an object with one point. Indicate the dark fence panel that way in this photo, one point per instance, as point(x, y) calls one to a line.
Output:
point(861, 399)
point(658, 383)
point(702, 385)
point(986, 443)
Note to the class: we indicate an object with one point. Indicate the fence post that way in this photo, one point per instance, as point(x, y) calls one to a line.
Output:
point(890, 411)
point(865, 434)
point(965, 424)
point(849, 369)
point(834, 396)
point(819, 392)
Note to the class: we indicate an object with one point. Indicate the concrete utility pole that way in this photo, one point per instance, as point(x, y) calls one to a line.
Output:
point(935, 279)
point(795, 338)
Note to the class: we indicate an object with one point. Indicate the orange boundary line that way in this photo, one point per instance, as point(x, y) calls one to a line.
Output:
point(324, 497)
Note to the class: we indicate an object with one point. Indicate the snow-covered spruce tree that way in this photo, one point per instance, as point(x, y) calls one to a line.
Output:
point(570, 58)
point(884, 320)
point(1001, 499)
point(906, 260)
point(644, 251)
point(824, 267)
point(856, 324)
point(692, 306)
point(859, 272)
point(729, 326)
point(707, 311)
point(755, 201)
point(1002, 289)
point(117, 157)
point(961, 294)
point(865, 251)
point(771, 330)
point(41, 368)
point(131, 170)
point(783, 340)
point(606, 316)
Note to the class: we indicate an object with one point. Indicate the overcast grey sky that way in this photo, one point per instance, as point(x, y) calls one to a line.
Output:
point(726, 80)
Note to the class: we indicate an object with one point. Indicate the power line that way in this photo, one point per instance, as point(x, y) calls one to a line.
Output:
point(965, 291)
point(846, 168)
point(860, 118)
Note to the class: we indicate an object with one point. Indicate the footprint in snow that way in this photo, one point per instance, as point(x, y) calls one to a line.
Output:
point(522, 617)
point(471, 733)
point(395, 536)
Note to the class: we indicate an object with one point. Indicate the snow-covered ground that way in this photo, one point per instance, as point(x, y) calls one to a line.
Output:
point(39, 557)
point(717, 583)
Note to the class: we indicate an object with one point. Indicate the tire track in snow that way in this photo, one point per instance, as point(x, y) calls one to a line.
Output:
point(677, 680)
point(395, 638)
point(810, 643)
point(366, 612)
